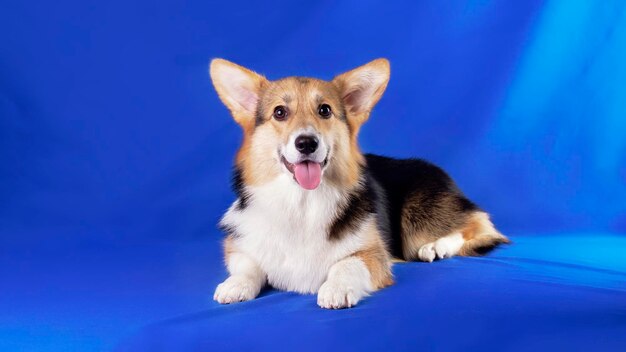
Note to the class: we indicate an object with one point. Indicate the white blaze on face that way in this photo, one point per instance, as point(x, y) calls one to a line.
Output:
point(307, 169)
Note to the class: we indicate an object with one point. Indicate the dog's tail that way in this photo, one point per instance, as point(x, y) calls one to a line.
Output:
point(480, 235)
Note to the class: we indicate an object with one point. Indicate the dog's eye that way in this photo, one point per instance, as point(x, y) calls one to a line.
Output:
point(324, 111)
point(280, 113)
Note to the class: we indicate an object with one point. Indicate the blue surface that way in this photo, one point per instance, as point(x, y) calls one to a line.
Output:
point(521, 298)
point(115, 156)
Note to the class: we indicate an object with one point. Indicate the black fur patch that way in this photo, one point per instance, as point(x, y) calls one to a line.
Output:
point(484, 249)
point(342, 116)
point(361, 203)
point(239, 189)
point(228, 230)
point(259, 119)
point(421, 191)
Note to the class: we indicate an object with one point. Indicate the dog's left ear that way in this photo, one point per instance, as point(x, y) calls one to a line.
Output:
point(362, 87)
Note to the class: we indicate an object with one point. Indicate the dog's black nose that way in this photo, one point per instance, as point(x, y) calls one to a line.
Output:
point(306, 144)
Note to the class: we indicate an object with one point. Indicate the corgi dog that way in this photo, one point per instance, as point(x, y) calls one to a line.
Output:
point(314, 214)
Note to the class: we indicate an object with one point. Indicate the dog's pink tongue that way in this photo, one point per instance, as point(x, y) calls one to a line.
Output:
point(308, 174)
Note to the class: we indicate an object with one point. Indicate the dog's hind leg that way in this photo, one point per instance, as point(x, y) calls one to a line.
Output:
point(477, 237)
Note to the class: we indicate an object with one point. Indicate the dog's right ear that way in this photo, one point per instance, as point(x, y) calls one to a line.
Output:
point(238, 88)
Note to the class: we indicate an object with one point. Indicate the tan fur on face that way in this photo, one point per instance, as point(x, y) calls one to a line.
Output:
point(351, 96)
point(302, 98)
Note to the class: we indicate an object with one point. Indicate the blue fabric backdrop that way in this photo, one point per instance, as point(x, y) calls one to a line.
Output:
point(115, 151)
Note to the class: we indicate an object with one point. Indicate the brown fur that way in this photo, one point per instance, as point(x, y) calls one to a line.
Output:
point(378, 262)
point(422, 224)
point(478, 231)
point(480, 235)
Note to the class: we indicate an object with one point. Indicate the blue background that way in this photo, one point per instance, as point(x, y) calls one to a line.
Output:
point(115, 151)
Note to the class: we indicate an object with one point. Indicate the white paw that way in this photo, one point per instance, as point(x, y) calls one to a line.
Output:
point(427, 252)
point(236, 289)
point(334, 295)
point(444, 247)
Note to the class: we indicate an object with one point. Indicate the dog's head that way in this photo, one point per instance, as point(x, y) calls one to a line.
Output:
point(304, 127)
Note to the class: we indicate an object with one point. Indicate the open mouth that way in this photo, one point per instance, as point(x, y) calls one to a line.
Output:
point(307, 173)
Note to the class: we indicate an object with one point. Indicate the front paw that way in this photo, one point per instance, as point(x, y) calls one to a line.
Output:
point(334, 295)
point(236, 289)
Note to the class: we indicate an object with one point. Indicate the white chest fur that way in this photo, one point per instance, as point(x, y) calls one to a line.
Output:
point(284, 229)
